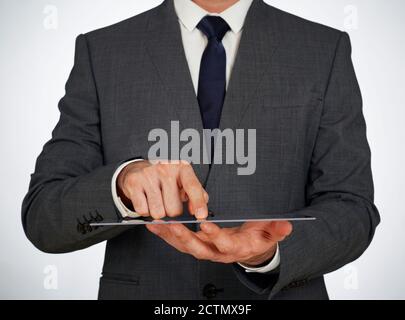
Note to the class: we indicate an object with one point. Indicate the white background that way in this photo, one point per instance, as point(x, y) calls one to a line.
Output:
point(35, 60)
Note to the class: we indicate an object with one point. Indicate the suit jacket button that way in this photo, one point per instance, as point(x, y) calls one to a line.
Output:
point(210, 291)
point(81, 229)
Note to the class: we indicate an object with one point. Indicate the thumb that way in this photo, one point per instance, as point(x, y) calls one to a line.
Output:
point(280, 230)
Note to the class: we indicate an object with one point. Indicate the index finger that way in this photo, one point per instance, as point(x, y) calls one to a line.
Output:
point(194, 190)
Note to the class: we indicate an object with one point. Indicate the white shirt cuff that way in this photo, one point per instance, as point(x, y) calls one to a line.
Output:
point(273, 264)
point(125, 212)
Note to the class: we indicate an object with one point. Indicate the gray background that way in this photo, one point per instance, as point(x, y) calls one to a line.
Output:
point(36, 57)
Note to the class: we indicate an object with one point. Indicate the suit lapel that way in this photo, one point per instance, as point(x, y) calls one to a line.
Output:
point(258, 44)
point(257, 47)
point(165, 48)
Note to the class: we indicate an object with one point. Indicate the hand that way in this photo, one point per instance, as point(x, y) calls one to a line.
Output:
point(251, 244)
point(159, 189)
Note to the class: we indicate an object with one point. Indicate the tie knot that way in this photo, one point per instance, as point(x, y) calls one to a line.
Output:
point(213, 27)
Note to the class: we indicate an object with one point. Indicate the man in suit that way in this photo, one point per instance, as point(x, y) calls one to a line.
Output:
point(209, 64)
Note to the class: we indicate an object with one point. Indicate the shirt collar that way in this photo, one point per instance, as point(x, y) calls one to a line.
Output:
point(190, 14)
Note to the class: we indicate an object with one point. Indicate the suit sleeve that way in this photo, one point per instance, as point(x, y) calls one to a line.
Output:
point(71, 185)
point(339, 189)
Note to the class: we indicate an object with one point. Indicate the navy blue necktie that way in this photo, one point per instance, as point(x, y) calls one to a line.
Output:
point(212, 80)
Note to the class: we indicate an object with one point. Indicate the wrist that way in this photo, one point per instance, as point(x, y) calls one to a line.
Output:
point(122, 192)
point(262, 260)
point(119, 185)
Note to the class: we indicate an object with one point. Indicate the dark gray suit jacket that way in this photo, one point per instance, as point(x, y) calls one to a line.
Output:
point(293, 81)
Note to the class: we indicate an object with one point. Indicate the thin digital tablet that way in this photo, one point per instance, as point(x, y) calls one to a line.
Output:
point(215, 218)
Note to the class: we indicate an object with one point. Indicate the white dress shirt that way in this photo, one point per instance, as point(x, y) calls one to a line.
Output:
point(194, 43)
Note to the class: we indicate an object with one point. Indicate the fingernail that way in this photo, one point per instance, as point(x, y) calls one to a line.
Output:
point(200, 213)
